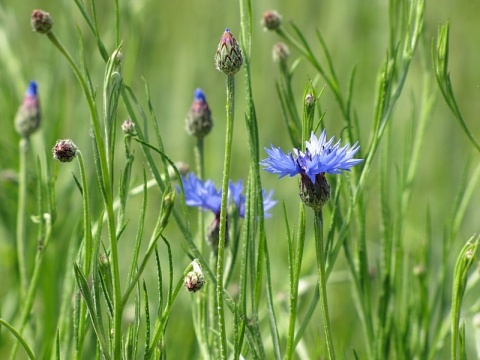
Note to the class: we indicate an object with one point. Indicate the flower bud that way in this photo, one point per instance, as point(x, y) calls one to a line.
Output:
point(213, 233)
point(195, 279)
point(41, 21)
point(309, 100)
point(314, 195)
point(228, 58)
point(281, 53)
point(271, 20)
point(27, 119)
point(182, 167)
point(199, 120)
point(64, 150)
point(128, 127)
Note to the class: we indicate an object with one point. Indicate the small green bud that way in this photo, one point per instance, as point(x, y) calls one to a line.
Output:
point(309, 100)
point(228, 58)
point(182, 167)
point(41, 21)
point(271, 20)
point(195, 279)
point(64, 150)
point(128, 127)
point(281, 53)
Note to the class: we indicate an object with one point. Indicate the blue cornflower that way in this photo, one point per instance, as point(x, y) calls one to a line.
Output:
point(206, 196)
point(200, 194)
point(319, 157)
point(235, 193)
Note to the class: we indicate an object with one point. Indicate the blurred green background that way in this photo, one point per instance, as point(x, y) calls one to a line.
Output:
point(171, 44)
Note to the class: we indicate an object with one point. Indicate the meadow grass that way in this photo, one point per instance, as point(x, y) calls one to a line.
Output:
point(103, 255)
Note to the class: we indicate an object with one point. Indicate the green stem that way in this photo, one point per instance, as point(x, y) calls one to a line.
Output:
point(297, 266)
point(201, 323)
point(322, 281)
point(24, 144)
point(32, 290)
point(200, 164)
point(105, 188)
point(223, 214)
point(19, 337)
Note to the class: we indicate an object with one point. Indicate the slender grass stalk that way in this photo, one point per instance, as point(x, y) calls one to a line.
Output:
point(24, 145)
point(322, 282)
point(230, 106)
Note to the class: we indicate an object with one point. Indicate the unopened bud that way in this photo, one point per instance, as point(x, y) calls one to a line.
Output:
point(64, 150)
point(195, 279)
point(27, 119)
point(182, 167)
point(228, 58)
point(280, 52)
point(41, 21)
point(213, 233)
point(199, 120)
point(271, 20)
point(309, 100)
point(128, 127)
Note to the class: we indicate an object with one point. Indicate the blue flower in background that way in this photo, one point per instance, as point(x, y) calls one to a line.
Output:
point(206, 196)
point(235, 193)
point(320, 157)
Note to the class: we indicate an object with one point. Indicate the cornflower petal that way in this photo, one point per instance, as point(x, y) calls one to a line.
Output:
point(319, 157)
point(280, 163)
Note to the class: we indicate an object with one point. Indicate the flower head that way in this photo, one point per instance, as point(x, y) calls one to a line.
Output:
point(27, 119)
point(201, 194)
point(199, 120)
point(41, 21)
point(64, 150)
point(228, 57)
point(320, 157)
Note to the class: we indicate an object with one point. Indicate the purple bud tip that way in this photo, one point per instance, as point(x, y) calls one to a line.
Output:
point(227, 30)
point(199, 95)
point(32, 89)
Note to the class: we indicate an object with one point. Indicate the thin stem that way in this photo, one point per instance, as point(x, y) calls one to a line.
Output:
point(201, 300)
point(107, 196)
point(24, 144)
point(223, 214)
point(297, 266)
point(200, 164)
point(32, 289)
point(322, 282)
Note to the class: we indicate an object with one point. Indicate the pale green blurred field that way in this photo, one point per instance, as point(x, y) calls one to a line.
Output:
point(171, 44)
